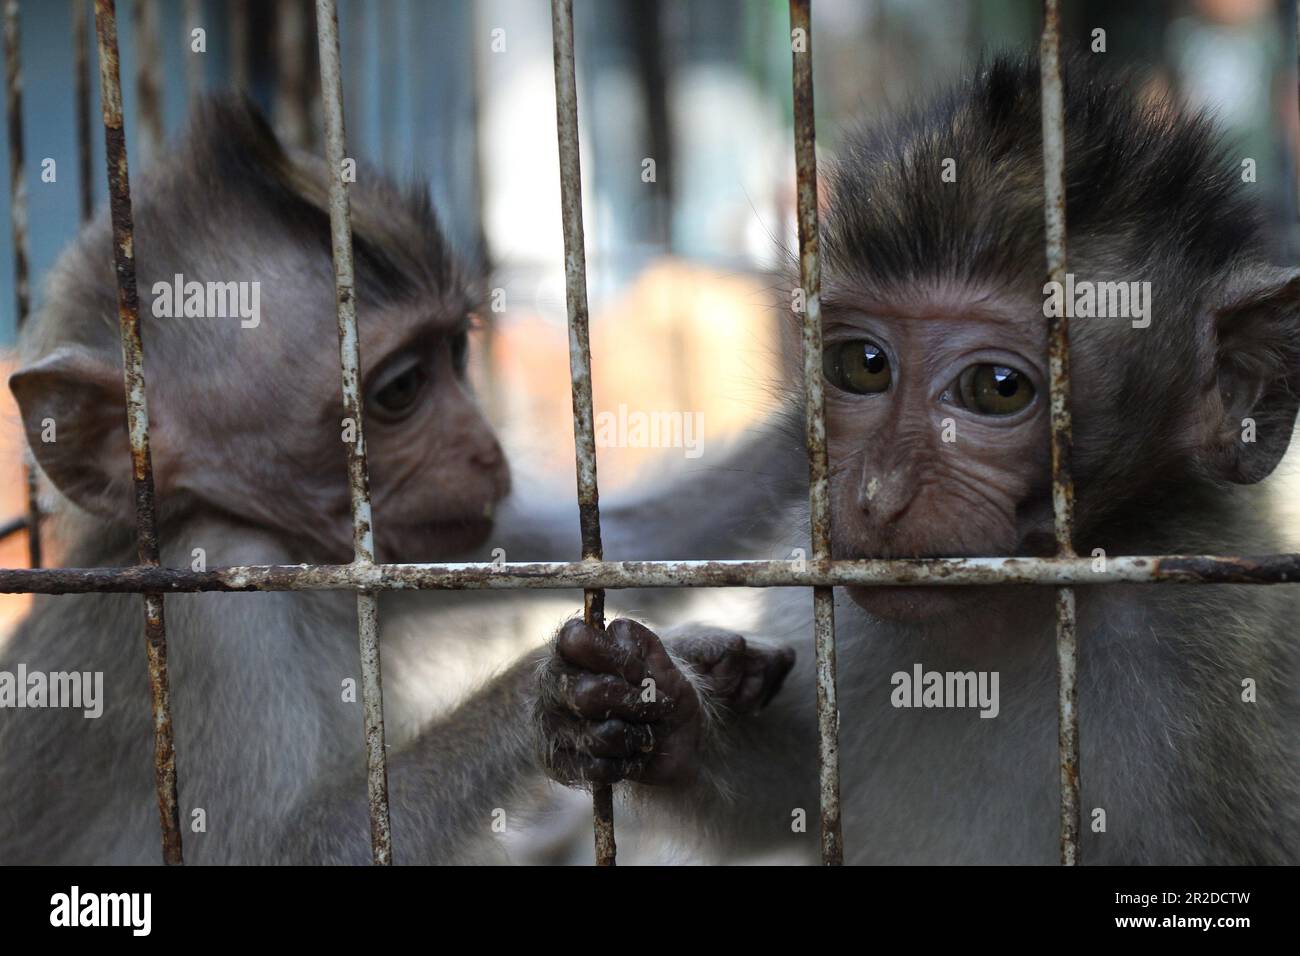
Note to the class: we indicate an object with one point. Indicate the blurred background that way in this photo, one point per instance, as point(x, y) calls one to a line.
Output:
point(687, 158)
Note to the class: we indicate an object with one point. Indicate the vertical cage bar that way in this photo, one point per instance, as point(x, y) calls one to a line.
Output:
point(327, 29)
point(575, 287)
point(81, 104)
point(148, 77)
point(18, 228)
point(810, 278)
point(1067, 648)
point(137, 419)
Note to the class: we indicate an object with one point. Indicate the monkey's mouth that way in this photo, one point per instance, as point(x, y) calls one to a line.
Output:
point(931, 602)
point(901, 602)
point(919, 602)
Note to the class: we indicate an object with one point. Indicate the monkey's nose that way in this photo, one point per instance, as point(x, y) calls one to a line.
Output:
point(885, 497)
point(491, 460)
point(487, 455)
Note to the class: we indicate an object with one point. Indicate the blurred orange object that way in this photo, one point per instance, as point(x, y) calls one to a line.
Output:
point(682, 339)
point(13, 496)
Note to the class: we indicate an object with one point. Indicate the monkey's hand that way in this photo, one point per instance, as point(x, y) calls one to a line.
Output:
point(620, 705)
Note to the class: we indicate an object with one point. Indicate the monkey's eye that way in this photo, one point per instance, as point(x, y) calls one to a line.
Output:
point(994, 389)
point(395, 394)
point(859, 366)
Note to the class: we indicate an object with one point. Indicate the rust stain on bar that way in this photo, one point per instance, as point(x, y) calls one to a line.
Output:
point(137, 417)
point(81, 86)
point(575, 288)
point(327, 26)
point(1067, 649)
point(948, 572)
point(148, 77)
point(810, 278)
point(18, 226)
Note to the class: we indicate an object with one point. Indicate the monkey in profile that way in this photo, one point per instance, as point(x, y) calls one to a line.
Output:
point(938, 422)
point(247, 444)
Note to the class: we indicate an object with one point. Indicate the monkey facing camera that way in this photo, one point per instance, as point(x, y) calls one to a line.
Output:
point(937, 416)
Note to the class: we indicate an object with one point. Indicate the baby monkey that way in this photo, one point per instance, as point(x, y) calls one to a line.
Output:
point(238, 314)
point(937, 415)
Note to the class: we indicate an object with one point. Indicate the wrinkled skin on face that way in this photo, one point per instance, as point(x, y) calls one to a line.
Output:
point(928, 457)
point(436, 468)
point(246, 413)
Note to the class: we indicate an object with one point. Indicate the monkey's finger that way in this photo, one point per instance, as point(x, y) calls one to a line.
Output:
point(566, 692)
point(598, 738)
point(566, 752)
point(555, 686)
point(710, 650)
point(602, 696)
point(642, 653)
point(626, 648)
point(617, 738)
point(601, 652)
point(720, 658)
point(765, 672)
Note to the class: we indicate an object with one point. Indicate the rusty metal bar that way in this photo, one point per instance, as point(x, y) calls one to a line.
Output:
point(1067, 647)
point(560, 575)
point(810, 280)
point(192, 18)
point(81, 100)
point(575, 287)
point(148, 77)
point(327, 28)
point(18, 227)
point(137, 420)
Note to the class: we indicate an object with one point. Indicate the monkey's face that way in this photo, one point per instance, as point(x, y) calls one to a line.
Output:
point(937, 423)
point(437, 470)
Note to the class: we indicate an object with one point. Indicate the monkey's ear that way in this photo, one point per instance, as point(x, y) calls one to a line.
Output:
point(74, 415)
point(1257, 345)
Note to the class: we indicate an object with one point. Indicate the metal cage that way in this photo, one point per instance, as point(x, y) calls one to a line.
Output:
point(592, 574)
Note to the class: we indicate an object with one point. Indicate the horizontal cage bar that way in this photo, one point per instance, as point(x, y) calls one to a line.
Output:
point(563, 575)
